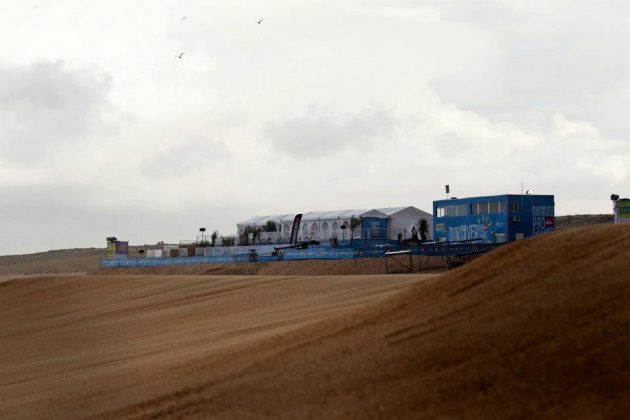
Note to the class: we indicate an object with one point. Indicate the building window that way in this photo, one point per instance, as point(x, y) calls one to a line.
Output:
point(452, 211)
point(499, 238)
point(494, 207)
point(514, 206)
point(480, 208)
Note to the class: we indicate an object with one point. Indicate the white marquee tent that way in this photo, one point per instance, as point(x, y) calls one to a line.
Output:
point(323, 225)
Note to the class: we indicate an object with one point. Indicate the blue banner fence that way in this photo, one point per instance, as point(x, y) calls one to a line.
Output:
point(358, 249)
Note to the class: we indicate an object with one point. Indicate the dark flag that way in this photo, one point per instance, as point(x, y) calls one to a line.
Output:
point(296, 228)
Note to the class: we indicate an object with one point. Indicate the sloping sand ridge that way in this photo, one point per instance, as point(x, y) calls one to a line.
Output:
point(537, 328)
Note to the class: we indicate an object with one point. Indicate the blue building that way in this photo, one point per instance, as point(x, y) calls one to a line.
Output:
point(495, 219)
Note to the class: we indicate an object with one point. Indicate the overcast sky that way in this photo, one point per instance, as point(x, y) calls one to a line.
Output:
point(325, 105)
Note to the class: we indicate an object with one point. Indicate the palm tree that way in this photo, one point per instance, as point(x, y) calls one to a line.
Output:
point(271, 226)
point(214, 236)
point(254, 231)
point(355, 222)
point(227, 240)
point(424, 229)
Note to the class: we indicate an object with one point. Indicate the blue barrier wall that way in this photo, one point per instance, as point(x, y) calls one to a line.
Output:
point(159, 262)
point(287, 255)
point(327, 253)
point(319, 253)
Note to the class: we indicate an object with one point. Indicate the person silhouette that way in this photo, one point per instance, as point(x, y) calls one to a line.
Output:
point(414, 234)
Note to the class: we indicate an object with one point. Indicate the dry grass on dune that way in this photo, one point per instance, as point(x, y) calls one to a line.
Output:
point(51, 265)
point(538, 328)
point(582, 220)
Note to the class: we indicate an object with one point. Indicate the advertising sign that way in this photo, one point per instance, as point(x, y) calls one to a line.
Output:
point(111, 249)
point(543, 219)
point(296, 228)
point(122, 249)
point(623, 211)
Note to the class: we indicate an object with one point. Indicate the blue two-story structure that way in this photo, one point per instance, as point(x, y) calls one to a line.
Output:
point(495, 219)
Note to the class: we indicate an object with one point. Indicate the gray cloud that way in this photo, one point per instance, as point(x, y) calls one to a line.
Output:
point(185, 157)
point(46, 106)
point(475, 94)
point(321, 133)
point(38, 218)
point(552, 57)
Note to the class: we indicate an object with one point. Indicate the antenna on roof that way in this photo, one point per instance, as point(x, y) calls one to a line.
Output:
point(521, 185)
point(447, 188)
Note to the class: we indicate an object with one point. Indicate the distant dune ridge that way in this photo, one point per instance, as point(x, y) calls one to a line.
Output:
point(536, 329)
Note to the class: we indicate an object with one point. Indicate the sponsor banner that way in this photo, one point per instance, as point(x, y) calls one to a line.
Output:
point(111, 249)
point(289, 254)
point(623, 211)
point(542, 219)
point(296, 228)
point(318, 253)
point(122, 249)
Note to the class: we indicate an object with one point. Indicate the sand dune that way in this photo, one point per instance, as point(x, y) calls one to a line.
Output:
point(539, 328)
point(85, 345)
point(50, 264)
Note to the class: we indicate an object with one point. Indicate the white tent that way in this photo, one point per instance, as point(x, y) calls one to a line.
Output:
point(403, 219)
point(324, 225)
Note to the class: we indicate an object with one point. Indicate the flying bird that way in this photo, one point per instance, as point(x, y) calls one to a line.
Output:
point(180, 55)
point(260, 21)
point(184, 17)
